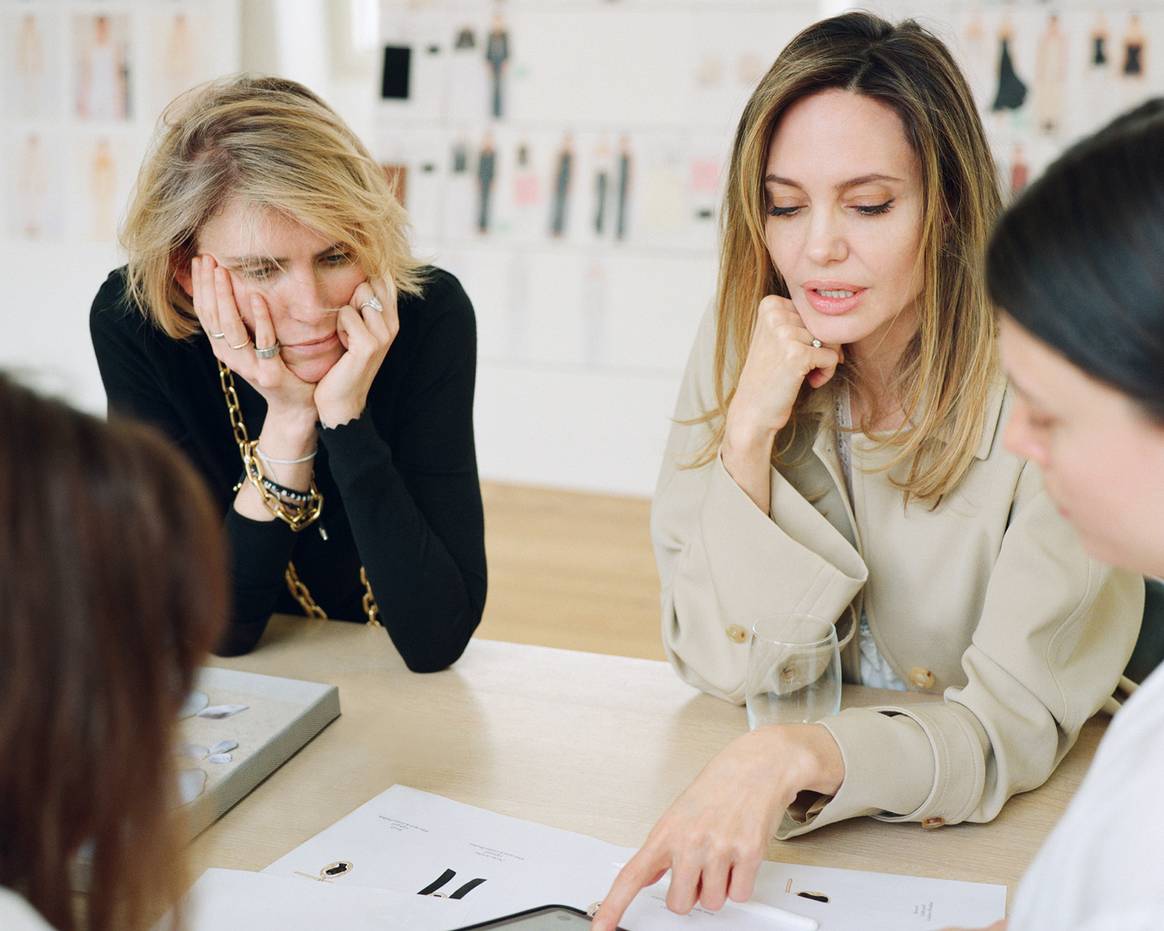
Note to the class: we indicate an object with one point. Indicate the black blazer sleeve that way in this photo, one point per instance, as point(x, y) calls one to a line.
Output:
point(416, 514)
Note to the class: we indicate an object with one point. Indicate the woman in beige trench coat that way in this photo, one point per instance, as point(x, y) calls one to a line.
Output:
point(837, 451)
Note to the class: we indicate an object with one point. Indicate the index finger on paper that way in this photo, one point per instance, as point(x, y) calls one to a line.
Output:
point(642, 870)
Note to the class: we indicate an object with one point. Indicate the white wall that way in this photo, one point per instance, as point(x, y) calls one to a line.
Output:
point(583, 338)
point(49, 280)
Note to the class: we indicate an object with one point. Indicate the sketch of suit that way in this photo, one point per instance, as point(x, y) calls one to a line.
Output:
point(561, 189)
point(486, 169)
point(497, 54)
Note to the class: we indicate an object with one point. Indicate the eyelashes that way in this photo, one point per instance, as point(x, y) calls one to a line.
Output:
point(876, 210)
point(265, 272)
point(873, 210)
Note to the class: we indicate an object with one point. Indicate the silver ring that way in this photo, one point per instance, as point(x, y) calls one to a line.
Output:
point(218, 336)
point(816, 343)
point(241, 345)
point(267, 352)
point(374, 303)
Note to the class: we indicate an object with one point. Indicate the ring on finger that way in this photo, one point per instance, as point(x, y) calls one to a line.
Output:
point(374, 303)
point(816, 343)
point(267, 352)
point(218, 336)
point(242, 345)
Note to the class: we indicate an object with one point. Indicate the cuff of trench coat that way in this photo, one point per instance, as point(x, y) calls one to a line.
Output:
point(752, 566)
point(745, 544)
point(889, 770)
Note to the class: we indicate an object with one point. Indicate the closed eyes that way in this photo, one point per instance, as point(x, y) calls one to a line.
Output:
point(865, 210)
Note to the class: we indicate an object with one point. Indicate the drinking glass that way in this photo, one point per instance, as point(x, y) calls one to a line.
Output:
point(794, 671)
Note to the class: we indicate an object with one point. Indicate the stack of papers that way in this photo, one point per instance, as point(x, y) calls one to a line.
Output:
point(409, 859)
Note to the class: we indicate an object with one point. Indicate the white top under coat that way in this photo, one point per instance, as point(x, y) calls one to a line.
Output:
point(1102, 868)
point(17, 915)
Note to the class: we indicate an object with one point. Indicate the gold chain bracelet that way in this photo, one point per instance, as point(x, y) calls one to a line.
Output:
point(295, 516)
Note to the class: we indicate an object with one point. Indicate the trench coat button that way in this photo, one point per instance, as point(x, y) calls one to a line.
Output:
point(736, 633)
point(930, 824)
point(921, 678)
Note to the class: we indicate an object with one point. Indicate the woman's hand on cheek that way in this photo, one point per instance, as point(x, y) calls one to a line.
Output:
point(215, 304)
point(366, 333)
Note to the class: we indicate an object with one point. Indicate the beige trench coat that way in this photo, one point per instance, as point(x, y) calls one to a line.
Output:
point(989, 602)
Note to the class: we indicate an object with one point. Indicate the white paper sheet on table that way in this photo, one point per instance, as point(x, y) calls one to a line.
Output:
point(405, 840)
point(234, 900)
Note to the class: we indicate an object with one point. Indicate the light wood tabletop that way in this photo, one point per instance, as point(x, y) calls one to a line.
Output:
point(590, 743)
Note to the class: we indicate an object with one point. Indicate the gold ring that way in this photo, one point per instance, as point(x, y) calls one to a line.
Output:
point(241, 345)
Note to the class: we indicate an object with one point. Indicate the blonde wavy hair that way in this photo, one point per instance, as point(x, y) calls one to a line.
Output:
point(945, 375)
point(276, 144)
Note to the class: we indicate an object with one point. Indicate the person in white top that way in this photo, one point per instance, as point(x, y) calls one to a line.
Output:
point(1077, 269)
point(112, 589)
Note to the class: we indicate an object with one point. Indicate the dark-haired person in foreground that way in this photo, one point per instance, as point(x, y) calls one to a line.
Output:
point(1077, 267)
point(112, 589)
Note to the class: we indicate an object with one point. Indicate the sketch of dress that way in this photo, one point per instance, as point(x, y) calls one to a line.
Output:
point(526, 190)
point(178, 68)
point(976, 59)
point(704, 187)
point(1020, 172)
point(1012, 91)
point(30, 68)
point(102, 74)
point(103, 191)
point(1098, 50)
point(1134, 55)
point(1050, 77)
point(527, 194)
point(31, 218)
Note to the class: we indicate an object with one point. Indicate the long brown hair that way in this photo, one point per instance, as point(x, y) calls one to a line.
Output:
point(276, 144)
point(945, 374)
point(112, 589)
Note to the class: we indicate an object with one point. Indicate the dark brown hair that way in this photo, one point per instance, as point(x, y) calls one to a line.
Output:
point(112, 589)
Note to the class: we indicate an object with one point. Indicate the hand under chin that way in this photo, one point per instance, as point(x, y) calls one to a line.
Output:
point(312, 371)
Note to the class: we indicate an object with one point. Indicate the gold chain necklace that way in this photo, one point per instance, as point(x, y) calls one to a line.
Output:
point(246, 446)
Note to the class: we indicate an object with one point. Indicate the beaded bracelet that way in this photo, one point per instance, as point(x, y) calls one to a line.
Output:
point(297, 512)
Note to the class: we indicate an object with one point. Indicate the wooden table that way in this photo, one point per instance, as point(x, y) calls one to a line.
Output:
point(589, 743)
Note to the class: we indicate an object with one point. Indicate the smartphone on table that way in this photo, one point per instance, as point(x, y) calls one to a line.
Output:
point(542, 918)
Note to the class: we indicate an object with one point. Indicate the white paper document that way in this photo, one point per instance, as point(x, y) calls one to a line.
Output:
point(234, 900)
point(489, 865)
